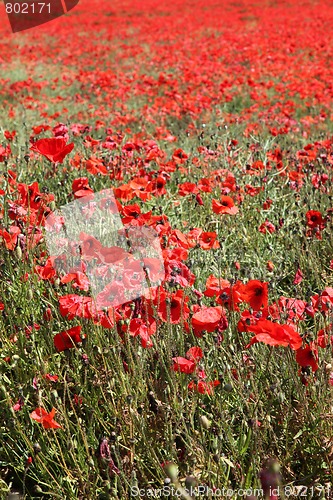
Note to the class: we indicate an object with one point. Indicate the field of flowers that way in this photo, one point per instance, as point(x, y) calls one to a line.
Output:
point(211, 122)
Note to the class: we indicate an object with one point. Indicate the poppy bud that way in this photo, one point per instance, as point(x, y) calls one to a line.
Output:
point(18, 252)
point(205, 422)
point(37, 448)
point(47, 314)
point(172, 471)
point(199, 199)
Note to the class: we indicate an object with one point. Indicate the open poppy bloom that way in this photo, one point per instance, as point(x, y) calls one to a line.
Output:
point(208, 319)
point(256, 294)
point(183, 365)
point(275, 334)
point(225, 206)
point(54, 149)
point(10, 237)
point(46, 419)
point(308, 356)
point(203, 387)
point(67, 339)
point(314, 219)
point(208, 240)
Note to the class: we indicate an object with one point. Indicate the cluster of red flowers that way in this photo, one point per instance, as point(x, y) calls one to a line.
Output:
point(260, 71)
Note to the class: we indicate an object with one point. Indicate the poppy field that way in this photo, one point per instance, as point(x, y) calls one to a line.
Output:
point(199, 135)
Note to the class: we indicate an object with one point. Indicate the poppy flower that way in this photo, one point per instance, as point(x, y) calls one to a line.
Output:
point(80, 280)
point(81, 188)
point(298, 277)
point(183, 365)
point(67, 339)
point(95, 166)
point(224, 206)
point(256, 294)
point(175, 304)
point(10, 238)
point(231, 296)
point(46, 419)
point(214, 285)
point(76, 305)
point(139, 327)
point(208, 319)
point(177, 272)
point(46, 272)
point(208, 240)
point(308, 356)
point(324, 337)
point(187, 188)
point(203, 387)
point(179, 156)
point(194, 354)
point(275, 334)
point(267, 226)
point(314, 219)
point(188, 364)
point(54, 149)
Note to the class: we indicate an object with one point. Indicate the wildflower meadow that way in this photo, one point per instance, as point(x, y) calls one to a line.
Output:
point(166, 251)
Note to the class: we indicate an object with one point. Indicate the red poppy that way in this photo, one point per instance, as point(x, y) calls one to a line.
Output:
point(75, 305)
point(177, 272)
point(174, 304)
point(51, 378)
point(81, 188)
point(67, 339)
point(187, 188)
point(298, 277)
point(203, 387)
point(225, 206)
point(308, 356)
point(183, 365)
point(95, 166)
point(274, 334)
point(314, 219)
point(256, 294)
point(208, 319)
point(46, 419)
point(207, 241)
point(54, 149)
point(267, 226)
point(194, 354)
point(80, 280)
point(139, 327)
point(179, 156)
point(324, 337)
point(10, 238)
point(231, 296)
point(214, 285)
point(46, 272)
